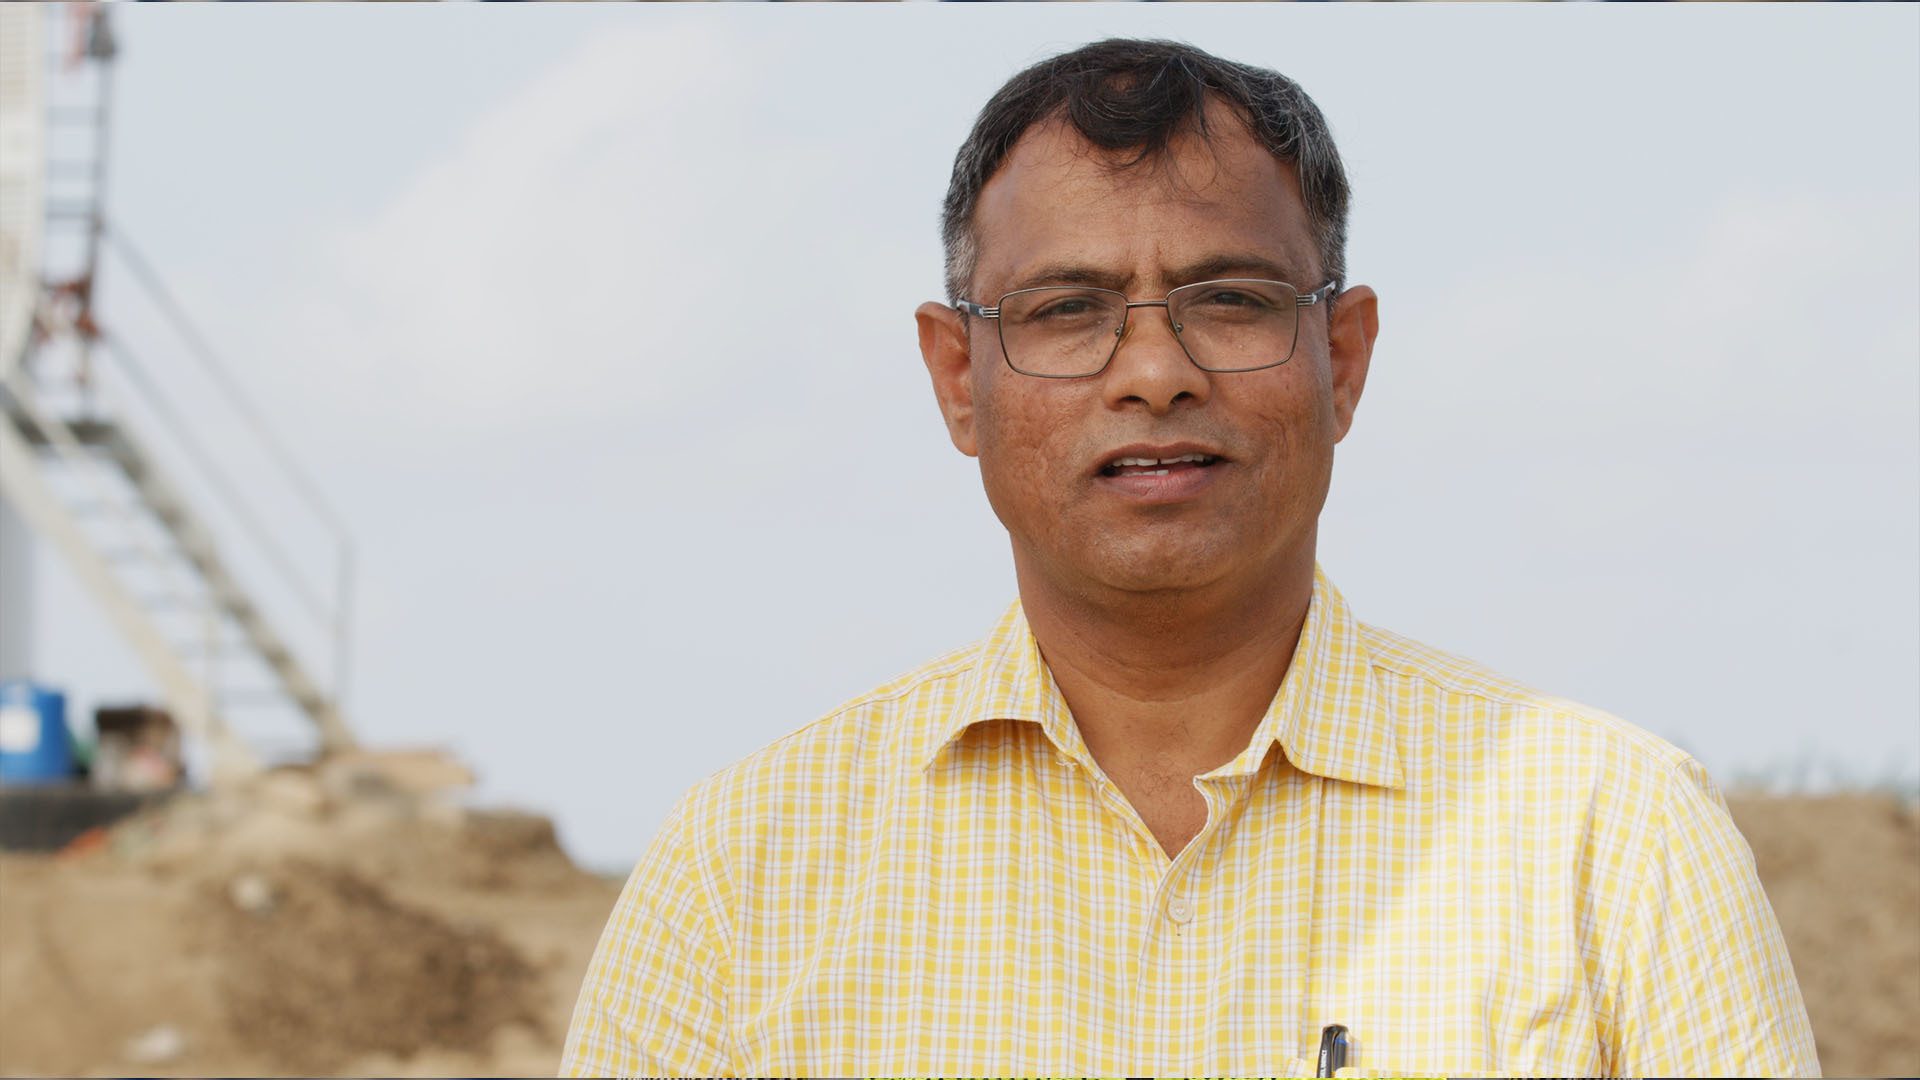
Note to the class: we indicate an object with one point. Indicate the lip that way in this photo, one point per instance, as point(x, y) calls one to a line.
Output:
point(1176, 486)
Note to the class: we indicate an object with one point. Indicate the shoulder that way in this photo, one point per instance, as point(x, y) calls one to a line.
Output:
point(1555, 773)
point(1627, 815)
point(1463, 704)
point(823, 769)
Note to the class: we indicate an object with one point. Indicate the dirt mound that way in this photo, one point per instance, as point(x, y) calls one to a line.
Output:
point(319, 966)
point(297, 926)
point(1843, 873)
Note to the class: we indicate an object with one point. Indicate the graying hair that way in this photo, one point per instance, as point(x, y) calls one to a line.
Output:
point(1123, 94)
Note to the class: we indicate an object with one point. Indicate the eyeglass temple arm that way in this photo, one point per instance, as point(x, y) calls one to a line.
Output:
point(968, 307)
point(1319, 294)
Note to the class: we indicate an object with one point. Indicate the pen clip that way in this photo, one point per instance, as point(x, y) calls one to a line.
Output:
point(1333, 1049)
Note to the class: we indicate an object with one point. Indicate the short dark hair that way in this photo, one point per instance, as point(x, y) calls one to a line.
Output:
point(1126, 94)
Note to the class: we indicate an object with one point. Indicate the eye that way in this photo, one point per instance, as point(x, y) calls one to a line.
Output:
point(1066, 307)
point(1067, 310)
point(1232, 298)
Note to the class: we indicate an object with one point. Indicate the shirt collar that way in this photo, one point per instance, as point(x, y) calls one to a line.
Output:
point(1328, 717)
point(1008, 681)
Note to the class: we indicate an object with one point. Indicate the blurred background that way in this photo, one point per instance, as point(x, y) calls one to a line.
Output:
point(437, 436)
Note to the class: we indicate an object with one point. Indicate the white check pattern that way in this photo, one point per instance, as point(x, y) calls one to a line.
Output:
point(938, 879)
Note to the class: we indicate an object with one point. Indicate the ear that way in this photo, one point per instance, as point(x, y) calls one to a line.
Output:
point(1350, 336)
point(944, 347)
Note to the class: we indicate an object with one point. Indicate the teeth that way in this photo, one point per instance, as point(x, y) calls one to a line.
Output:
point(1127, 462)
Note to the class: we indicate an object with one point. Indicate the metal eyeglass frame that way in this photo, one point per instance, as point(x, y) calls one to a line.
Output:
point(1300, 300)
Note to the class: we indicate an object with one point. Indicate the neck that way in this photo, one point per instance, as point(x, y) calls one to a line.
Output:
point(1174, 681)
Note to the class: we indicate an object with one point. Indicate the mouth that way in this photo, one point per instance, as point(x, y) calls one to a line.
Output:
point(1164, 475)
point(1139, 465)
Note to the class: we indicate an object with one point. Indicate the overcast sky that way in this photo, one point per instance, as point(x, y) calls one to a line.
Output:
point(596, 323)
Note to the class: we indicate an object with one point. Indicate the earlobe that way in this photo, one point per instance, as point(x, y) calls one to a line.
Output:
point(944, 347)
point(1350, 337)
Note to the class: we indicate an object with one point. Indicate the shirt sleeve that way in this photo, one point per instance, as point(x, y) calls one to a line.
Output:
point(1705, 985)
point(654, 999)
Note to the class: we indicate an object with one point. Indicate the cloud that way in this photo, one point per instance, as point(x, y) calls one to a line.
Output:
point(1772, 307)
point(572, 257)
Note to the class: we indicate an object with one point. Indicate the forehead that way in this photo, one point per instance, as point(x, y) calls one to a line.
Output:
point(1059, 202)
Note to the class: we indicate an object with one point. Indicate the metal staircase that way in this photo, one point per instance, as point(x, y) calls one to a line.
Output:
point(78, 457)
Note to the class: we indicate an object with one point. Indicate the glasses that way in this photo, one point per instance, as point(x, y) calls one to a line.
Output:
point(1070, 332)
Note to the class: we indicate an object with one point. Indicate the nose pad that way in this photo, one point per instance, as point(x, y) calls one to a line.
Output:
point(1125, 330)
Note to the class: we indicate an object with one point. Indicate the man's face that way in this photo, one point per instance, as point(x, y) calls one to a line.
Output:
point(1057, 213)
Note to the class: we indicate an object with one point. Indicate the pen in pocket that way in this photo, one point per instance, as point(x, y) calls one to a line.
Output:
point(1333, 1049)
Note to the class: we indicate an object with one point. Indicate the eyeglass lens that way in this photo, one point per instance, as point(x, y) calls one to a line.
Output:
point(1069, 331)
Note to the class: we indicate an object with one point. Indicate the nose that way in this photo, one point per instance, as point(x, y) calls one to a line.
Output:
point(1150, 367)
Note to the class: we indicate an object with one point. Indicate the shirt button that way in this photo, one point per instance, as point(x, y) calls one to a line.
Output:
point(1179, 910)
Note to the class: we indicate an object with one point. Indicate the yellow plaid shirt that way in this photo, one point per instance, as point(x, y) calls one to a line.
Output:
point(939, 879)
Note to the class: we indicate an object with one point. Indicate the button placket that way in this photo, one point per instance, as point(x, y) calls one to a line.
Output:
point(1177, 886)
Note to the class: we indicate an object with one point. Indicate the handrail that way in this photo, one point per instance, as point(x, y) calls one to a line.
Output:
point(302, 484)
point(192, 701)
point(221, 484)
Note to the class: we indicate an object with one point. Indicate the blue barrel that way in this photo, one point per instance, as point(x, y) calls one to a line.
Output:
point(34, 745)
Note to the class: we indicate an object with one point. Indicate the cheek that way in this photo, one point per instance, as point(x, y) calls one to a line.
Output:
point(1298, 432)
point(1024, 448)
point(1017, 415)
point(1302, 406)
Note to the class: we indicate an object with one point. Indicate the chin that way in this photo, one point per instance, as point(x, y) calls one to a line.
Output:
point(1151, 568)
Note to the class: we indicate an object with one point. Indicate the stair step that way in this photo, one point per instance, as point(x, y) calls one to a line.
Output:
point(70, 212)
point(255, 698)
point(159, 553)
point(90, 432)
point(175, 602)
point(105, 509)
point(199, 650)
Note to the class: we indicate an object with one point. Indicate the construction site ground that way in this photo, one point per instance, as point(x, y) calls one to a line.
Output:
point(291, 931)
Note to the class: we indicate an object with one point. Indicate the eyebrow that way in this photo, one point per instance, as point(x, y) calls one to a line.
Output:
point(1210, 268)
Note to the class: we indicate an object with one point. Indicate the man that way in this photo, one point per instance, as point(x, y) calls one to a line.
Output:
point(1179, 810)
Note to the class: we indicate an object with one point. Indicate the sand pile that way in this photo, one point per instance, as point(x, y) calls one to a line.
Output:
point(304, 925)
point(1843, 874)
point(320, 964)
point(320, 924)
